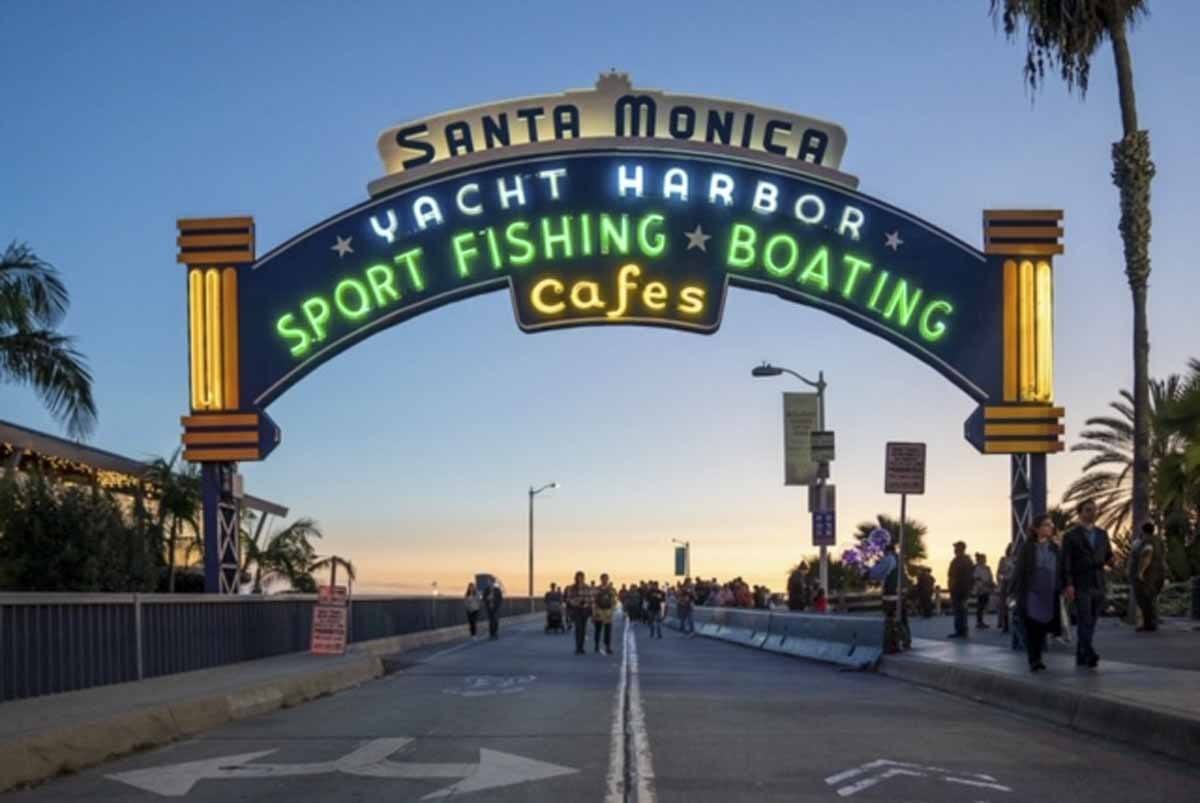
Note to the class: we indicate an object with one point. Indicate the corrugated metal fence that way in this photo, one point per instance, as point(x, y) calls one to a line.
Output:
point(52, 643)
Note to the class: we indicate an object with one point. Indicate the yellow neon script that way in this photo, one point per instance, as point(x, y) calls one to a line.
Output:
point(630, 296)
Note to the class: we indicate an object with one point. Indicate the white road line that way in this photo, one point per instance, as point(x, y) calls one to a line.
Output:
point(866, 783)
point(615, 782)
point(968, 782)
point(643, 768)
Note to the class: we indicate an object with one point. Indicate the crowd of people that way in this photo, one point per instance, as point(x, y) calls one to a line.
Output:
point(1034, 583)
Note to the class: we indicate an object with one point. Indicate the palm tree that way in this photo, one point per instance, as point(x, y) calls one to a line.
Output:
point(332, 562)
point(1108, 474)
point(1065, 34)
point(914, 538)
point(286, 554)
point(178, 505)
point(33, 301)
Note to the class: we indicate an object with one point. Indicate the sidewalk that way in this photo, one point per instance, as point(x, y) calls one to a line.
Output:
point(1156, 707)
point(41, 737)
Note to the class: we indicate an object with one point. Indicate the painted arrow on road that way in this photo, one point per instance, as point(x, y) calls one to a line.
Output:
point(371, 760)
point(875, 772)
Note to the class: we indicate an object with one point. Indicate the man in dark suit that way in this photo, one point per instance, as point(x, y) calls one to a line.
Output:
point(1086, 551)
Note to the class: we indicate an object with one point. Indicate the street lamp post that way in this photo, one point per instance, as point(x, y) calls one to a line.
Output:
point(532, 493)
point(765, 370)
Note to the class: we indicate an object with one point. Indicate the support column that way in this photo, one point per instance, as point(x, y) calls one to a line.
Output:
point(1019, 494)
point(221, 530)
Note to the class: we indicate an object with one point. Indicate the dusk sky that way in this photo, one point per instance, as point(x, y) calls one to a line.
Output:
point(414, 449)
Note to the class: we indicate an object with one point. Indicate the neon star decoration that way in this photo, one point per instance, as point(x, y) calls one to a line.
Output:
point(893, 240)
point(342, 246)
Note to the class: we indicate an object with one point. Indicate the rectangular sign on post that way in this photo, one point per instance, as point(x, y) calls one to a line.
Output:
point(822, 498)
point(680, 561)
point(905, 468)
point(824, 528)
point(800, 415)
point(327, 594)
point(822, 446)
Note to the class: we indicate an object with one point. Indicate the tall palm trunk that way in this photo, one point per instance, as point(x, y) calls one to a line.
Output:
point(1132, 172)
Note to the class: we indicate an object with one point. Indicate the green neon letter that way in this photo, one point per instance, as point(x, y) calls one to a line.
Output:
point(816, 272)
point(856, 265)
point(741, 246)
point(775, 268)
point(651, 243)
point(363, 298)
point(879, 283)
point(464, 250)
point(411, 260)
point(900, 300)
point(585, 234)
point(493, 248)
point(935, 330)
point(609, 233)
point(516, 234)
point(383, 284)
point(316, 310)
point(284, 327)
point(549, 238)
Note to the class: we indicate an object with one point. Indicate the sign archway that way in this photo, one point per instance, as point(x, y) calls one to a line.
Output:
point(614, 206)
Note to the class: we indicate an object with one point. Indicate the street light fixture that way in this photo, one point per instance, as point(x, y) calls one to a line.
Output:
point(532, 493)
point(766, 369)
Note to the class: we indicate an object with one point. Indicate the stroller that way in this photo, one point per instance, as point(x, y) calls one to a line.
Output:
point(554, 614)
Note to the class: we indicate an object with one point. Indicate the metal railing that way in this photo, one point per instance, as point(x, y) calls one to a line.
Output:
point(51, 643)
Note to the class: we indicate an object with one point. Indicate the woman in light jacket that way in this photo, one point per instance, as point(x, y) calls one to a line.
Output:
point(471, 601)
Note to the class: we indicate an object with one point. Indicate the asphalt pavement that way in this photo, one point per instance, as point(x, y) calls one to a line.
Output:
point(677, 719)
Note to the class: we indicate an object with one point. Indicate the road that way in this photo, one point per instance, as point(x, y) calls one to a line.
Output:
point(677, 719)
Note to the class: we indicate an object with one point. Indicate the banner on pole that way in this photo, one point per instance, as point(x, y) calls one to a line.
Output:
point(800, 416)
point(680, 561)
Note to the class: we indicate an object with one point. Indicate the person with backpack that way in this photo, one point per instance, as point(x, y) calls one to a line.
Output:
point(579, 609)
point(1147, 575)
point(655, 599)
point(604, 600)
point(493, 601)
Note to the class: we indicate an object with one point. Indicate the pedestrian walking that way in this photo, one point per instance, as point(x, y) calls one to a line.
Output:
point(684, 603)
point(983, 585)
point(1086, 551)
point(925, 592)
point(471, 603)
point(1147, 573)
point(820, 603)
point(1037, 582)
point(579, 609)
point(493, 599)
point(604, 601)
point(961, 579)
point(654, 609)
point(1004, 572)
point(554, 610)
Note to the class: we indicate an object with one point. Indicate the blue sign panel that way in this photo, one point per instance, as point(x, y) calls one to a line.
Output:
point(620, 237)
point(824, 528)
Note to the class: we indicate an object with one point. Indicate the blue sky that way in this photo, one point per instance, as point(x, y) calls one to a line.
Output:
point(415, 448)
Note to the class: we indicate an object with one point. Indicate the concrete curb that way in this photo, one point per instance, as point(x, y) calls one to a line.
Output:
point(1149, 727)
point(37, 757)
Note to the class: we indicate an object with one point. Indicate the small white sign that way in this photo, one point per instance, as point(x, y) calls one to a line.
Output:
point(905, 468)
point(823, 446)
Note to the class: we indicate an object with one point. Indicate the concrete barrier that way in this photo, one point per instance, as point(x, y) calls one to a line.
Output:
point(33, 757)
point(854, 641)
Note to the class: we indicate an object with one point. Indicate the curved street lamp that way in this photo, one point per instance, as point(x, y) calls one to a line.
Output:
point(766, 369)
point(532, 493)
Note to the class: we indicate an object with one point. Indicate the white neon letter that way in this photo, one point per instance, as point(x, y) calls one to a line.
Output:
point(518, 191)
point(852, 218)
point(624, 182)
point(460, 198)
point(426, 210)
point(389, 233)
point(676, 182)
point(553, 176)
point(721, 186)
point(816, 203)
point(766, 198)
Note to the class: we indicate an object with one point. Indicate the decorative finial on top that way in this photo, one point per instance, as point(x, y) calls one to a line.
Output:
point(613, 82)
